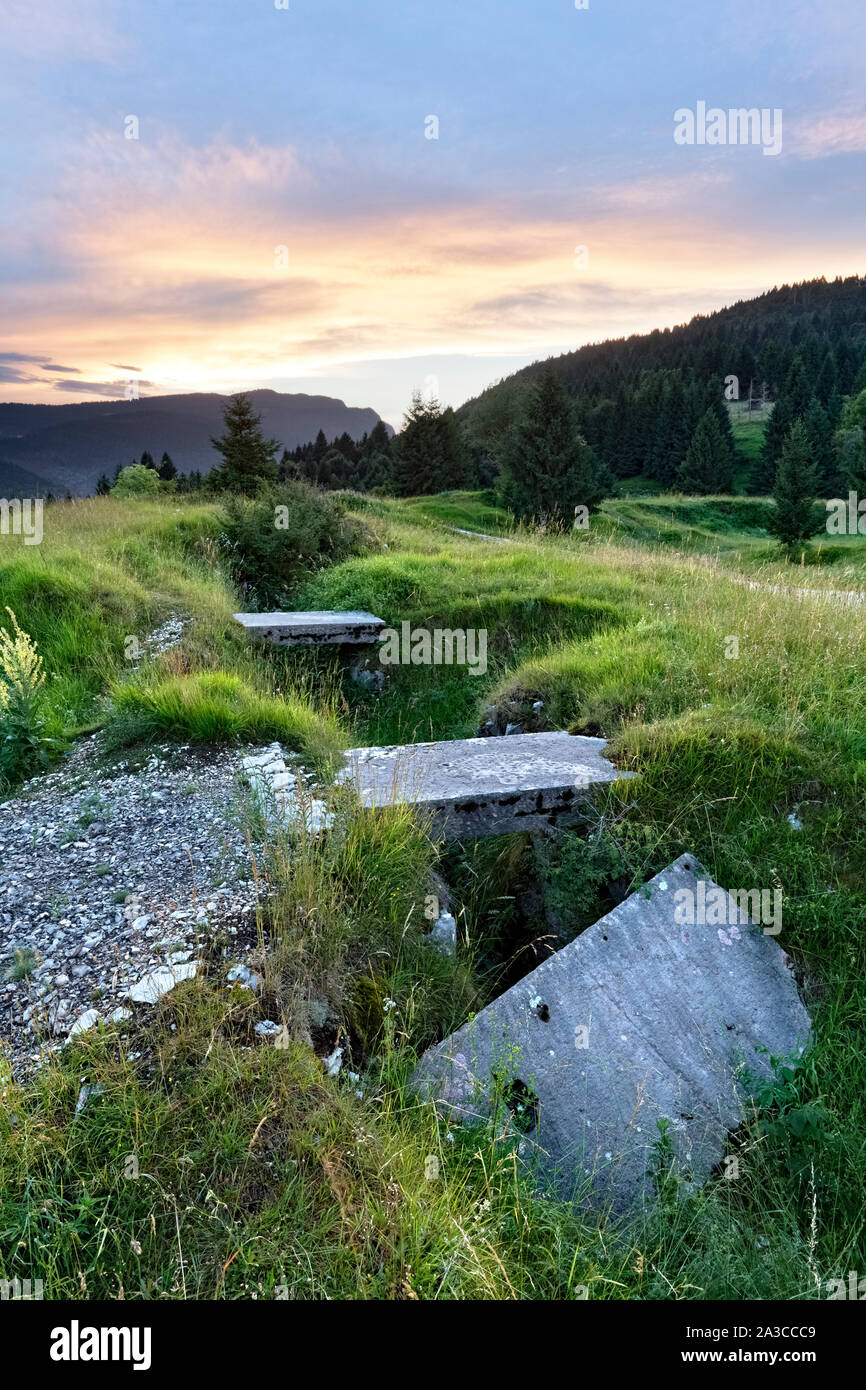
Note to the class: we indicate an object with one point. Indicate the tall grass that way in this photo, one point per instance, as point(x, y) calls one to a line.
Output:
point(256, 1172)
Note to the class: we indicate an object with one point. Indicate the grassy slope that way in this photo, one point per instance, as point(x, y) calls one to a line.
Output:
point(260, 1172)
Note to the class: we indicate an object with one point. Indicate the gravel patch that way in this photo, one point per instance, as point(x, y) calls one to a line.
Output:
point(109, 875)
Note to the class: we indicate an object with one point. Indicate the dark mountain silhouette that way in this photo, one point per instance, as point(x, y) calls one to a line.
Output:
point(66, 447)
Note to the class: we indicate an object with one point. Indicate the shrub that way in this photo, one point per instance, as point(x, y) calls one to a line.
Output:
point(274, 540)
point(136, 481)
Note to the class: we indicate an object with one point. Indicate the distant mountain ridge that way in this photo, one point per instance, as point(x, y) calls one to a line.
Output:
point(66, 447)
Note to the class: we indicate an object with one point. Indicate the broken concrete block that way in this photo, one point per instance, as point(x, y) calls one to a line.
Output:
point(313, 629)
point(484, 786)
point(641, 1019)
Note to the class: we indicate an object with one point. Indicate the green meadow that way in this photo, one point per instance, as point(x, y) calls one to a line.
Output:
point(258, 1175)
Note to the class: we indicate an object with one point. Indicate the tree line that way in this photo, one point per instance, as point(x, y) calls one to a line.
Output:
point(563, 433)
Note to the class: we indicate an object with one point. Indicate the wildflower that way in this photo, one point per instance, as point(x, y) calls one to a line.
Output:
point(21, 673)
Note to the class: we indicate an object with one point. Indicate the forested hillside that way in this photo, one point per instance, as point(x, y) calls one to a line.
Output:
point(799, 350)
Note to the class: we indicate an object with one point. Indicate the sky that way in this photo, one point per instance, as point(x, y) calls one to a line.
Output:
point(359, 198)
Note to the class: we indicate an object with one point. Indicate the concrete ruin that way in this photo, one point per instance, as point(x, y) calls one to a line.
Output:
point(641, 1019)
point(313, 629)
point(474, 787)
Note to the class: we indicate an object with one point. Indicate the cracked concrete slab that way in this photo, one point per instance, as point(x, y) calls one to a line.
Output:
point(485, 786)
point(312, 629)
point(641, 1019)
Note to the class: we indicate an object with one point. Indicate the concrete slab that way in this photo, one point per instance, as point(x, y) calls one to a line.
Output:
point(485, 786)
point(640, 1018)
point(312, 629)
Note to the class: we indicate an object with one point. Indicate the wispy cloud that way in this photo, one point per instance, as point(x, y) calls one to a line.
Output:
point(834, 133)
point(262, 233)
point(114, 389)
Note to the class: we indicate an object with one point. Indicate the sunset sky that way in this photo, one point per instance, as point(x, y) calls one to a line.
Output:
point(438, 263)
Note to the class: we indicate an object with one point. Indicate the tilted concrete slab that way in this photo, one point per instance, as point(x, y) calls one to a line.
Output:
point(641, 1018)
point(312, 629)
point(485, 786)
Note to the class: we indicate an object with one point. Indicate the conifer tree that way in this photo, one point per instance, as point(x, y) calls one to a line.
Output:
point(828, 479)
point(248, 459)
point(707, 466)
point(429, 455)
point(775, 434)
point(547, 467)
point(795, 517)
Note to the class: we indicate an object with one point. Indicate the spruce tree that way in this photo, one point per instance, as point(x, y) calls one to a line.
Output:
point(166, 469)
point(248, 459)
point(856, 478)
point(707, 465)
point(547, 467)
point(347, 446)
point(798, 389)
point(795, 517)
point(828, 479)
point(719, 404)
point(429, 455)
point(374, 457)
point(320, 447)
point(103, 485)
point(676, 435)
point(827, 384)
point(775, 433)
point(379, 440)
point(457, 469)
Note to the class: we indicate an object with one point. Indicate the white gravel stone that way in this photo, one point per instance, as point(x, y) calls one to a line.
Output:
point(159, 982)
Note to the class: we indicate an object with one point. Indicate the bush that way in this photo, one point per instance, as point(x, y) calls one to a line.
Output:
point(136, 481)
point(276, 539)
